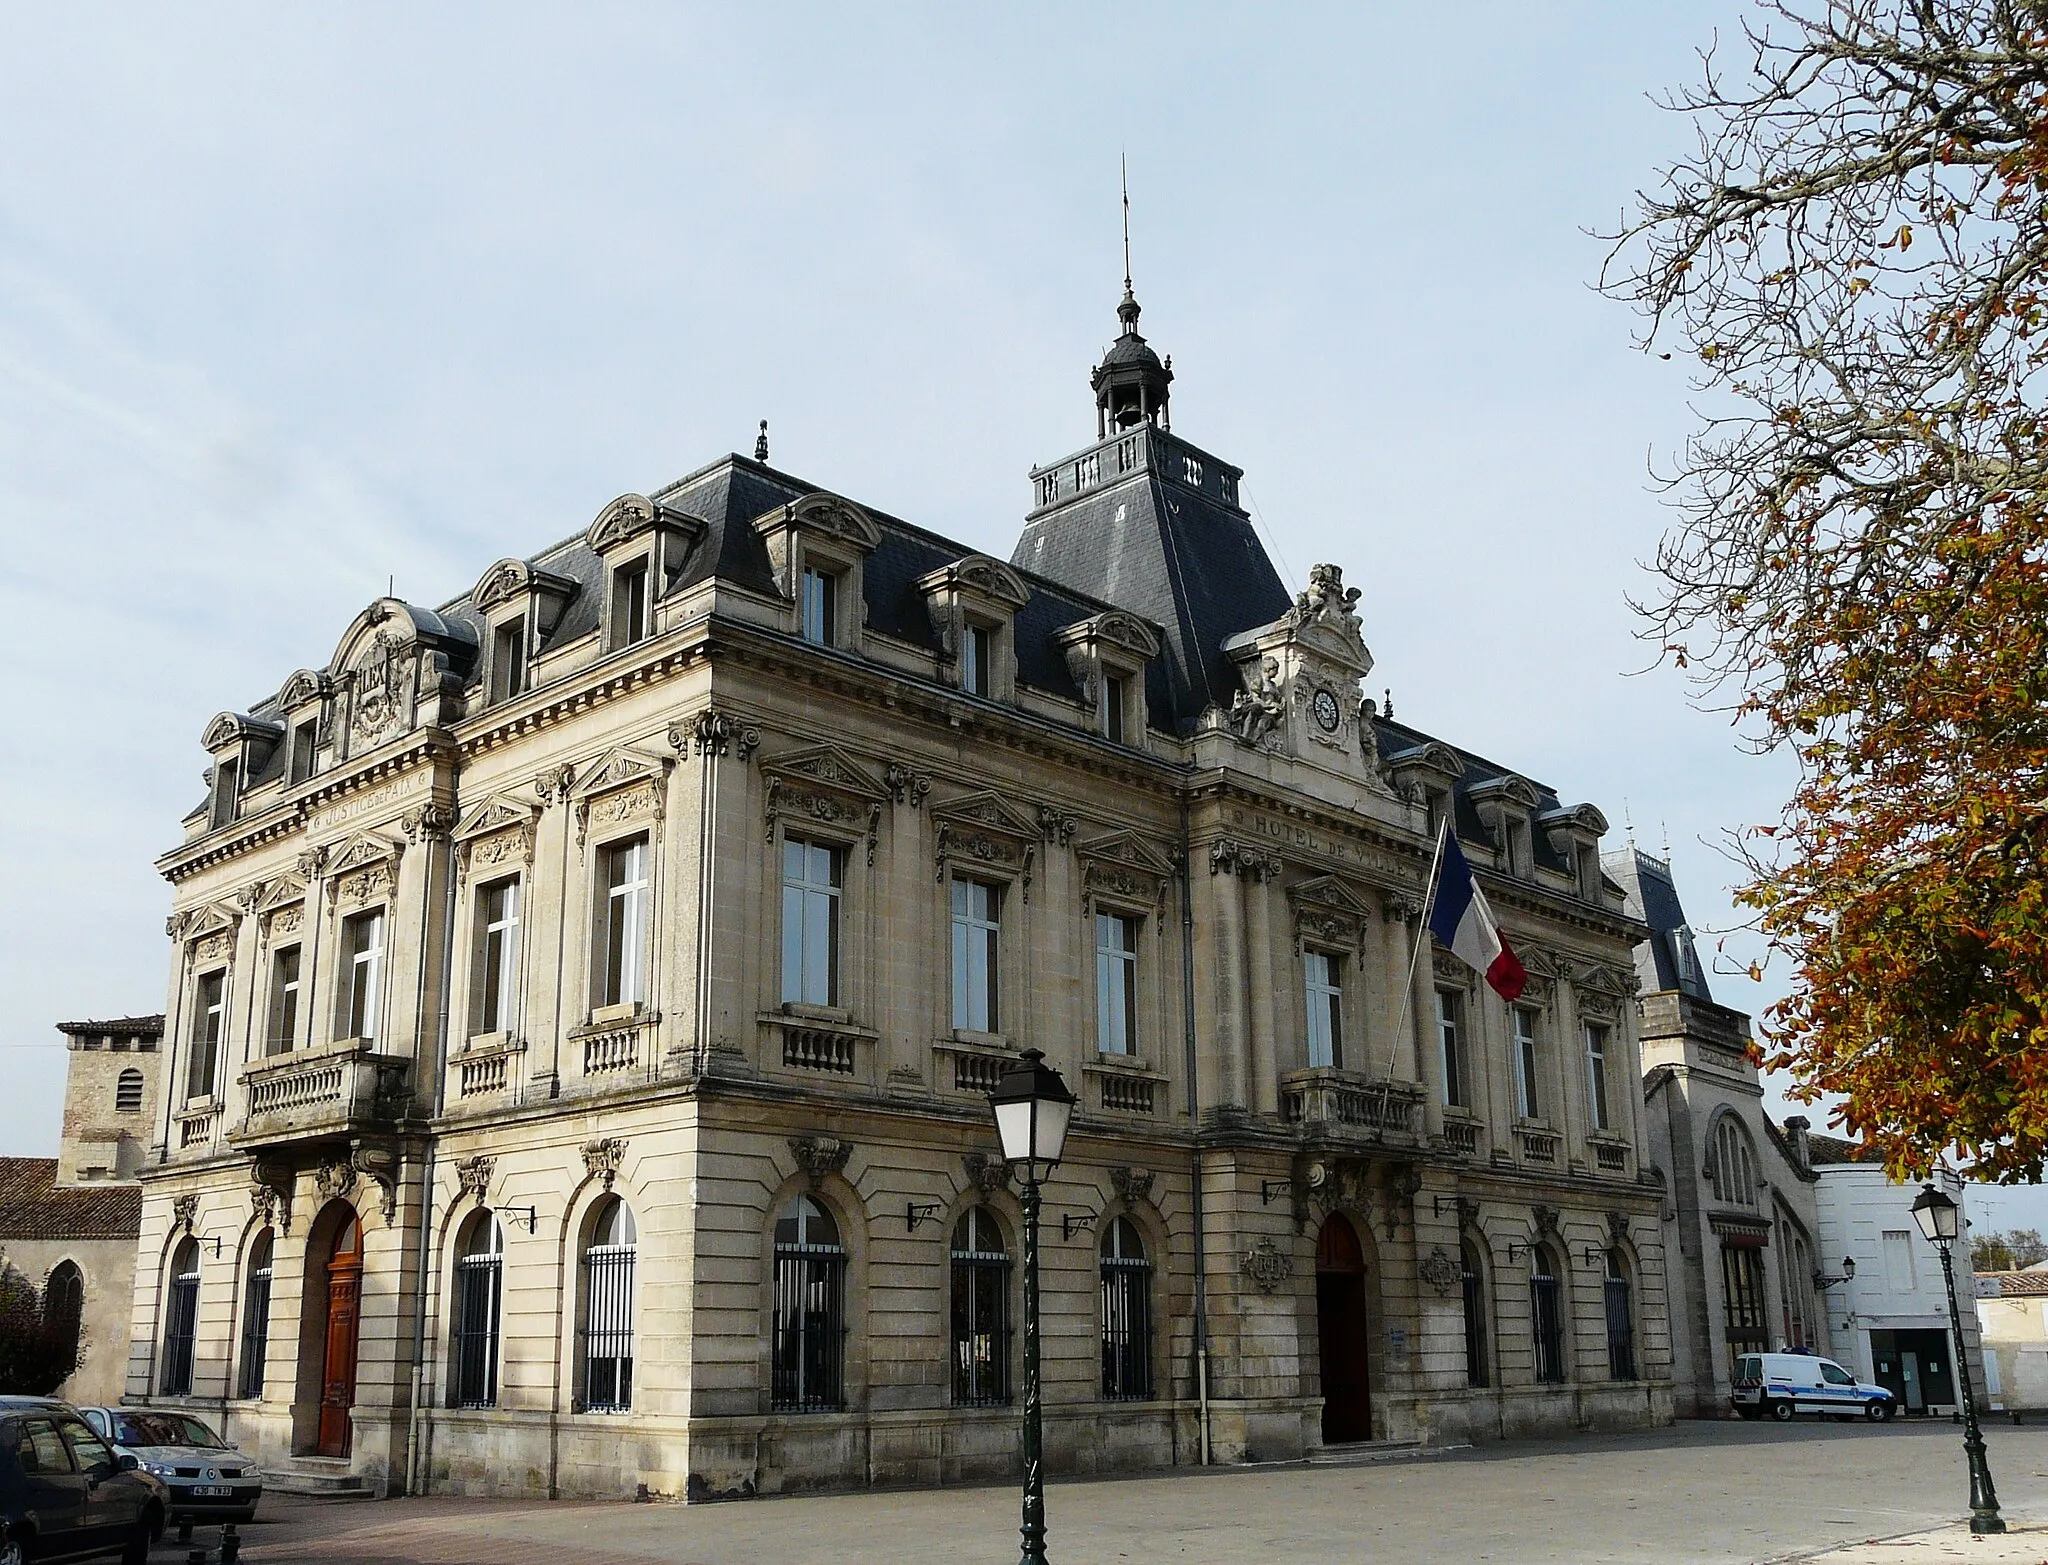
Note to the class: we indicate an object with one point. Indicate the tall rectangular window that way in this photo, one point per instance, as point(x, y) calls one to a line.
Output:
point(284, 1001)
point(1596, 1075)
point(362, 973)
point(976, 655)
point(1113, 704)
point(818, 607)
point(1528, 1100)
point(508, 659)
point(209, 1025)
point(811, 875)
point(1546, 1320)
point(629, 604)
point(625, 923)
point(305, 740)
point(1116, 983)
point(497, 955)
point(1744, 1323)
point(1325, 1008)
point(1450, 1034)
point(976, 929)
point(226, 785)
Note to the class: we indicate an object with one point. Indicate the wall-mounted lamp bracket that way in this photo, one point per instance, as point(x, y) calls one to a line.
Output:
point(1269, 1188)
point(525, 1215)
point(1072, 1223)
point(920, 1212)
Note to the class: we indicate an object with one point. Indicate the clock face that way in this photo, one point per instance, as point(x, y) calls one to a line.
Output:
point(1327, 715)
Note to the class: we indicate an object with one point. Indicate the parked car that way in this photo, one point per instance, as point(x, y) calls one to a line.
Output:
point(1782, 1384)
point(209, 1480)
point(65, 1494)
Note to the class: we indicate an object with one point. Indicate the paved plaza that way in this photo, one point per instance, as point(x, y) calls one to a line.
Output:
point(1700, 1491)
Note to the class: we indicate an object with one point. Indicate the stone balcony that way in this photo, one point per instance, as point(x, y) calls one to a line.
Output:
point(1343, 1103)
point(315, 1094)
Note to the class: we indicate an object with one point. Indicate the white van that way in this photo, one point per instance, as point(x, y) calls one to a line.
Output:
point(1782, 1384)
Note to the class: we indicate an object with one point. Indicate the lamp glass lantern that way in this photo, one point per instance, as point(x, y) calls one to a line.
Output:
point(1033, 1105)
point(1938, 1215)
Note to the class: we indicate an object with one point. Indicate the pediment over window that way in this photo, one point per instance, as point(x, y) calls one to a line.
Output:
point(542, 594)
point(304, 688)
point(203, 921)
point(1517, 791)
point(978, 576)
point(1123, 866)
point(1434, 757)
point(827, 766)
point(983, 830)
point(622, 785)
point(630, 515)
point(232, 728)
point(363, 850)
point(1329, 909)
point(284, 891)
point(495, 832)
point(1578, 817)
point(828, 514)
point(1115, 631)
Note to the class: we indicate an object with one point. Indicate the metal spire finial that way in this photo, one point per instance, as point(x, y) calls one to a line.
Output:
point(761, 443)
point(1123, 164)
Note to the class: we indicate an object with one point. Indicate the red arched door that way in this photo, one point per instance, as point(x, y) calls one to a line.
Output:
point(1341, 1323)
point(344, 1316)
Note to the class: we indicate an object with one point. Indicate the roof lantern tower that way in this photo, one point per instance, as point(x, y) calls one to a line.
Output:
point(1130, 383)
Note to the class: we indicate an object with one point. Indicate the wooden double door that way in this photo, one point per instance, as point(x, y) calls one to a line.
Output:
point(1342, 1326)
point(344, 1322)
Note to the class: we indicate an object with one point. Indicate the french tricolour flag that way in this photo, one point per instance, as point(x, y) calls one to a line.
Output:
point(1460, 918)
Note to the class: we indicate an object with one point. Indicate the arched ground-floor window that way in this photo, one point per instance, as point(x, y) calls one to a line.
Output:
point(256, 1315)
point(1126, 1314)
point(1546, 1315)
point(1621, 1319)
point(807, 1373)
point(608, 1261)
point(479, 1294)
point(181, 1320)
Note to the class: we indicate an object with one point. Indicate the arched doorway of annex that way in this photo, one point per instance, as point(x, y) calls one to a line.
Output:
point(330, 1327)
point(1344, 1329)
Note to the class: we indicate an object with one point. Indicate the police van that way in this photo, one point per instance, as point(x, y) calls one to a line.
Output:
point(1781, 1384)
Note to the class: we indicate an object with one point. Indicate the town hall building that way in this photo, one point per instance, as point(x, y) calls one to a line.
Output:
point(584, 998)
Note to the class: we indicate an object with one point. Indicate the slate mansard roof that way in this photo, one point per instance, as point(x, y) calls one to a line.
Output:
point(1141, 520)
point(1670, 958)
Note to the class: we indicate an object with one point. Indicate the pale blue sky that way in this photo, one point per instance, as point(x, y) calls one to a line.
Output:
point(293, 299)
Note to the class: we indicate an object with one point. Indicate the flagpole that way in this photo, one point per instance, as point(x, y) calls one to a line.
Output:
point(1421, 934)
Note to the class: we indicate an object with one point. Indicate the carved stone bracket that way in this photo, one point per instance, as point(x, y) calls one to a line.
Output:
point(424, 822)
point(1439, 1270)
point(906, 785)
point(184, 1212)
point(473, 1175)
point(1228, 856)
point(552, 786)
point(602, 1157)
point(716, 733)
point(1617, 1227)
point(335, 1179)
point(1057, 825)
point(1266, 1266)
point(987, 1174)
point(380, 1167)
point(1547, 1220)
point(819, 1157)
point(270, 1193)
point(1133, 1184)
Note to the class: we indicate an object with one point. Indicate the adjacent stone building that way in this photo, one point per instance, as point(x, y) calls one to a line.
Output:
point(69, 1223)
point(585, 996)
point(1741, 1219)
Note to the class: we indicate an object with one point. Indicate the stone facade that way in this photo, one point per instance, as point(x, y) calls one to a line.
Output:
point(1741, 1217)
point(718, 861)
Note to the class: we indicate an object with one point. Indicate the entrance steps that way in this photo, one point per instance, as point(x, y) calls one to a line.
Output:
point(1357, 1453)
point(325, 1477)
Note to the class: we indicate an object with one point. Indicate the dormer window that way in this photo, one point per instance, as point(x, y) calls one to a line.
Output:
point(508, 659)
point(305, 742)
point(819, 547)
point(1506, 806)
point(818, 607)
point(629, 605)
point(643, 544)
point(227, 775)
point(1574, 835)
point(973, 605)
point(1107, 657)
point(977, 651)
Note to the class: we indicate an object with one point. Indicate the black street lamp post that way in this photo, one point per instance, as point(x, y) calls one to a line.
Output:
point(1941, 1221)
point(1032, 1105)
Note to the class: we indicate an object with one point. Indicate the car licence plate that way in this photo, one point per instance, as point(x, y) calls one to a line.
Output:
point(212, 1491)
